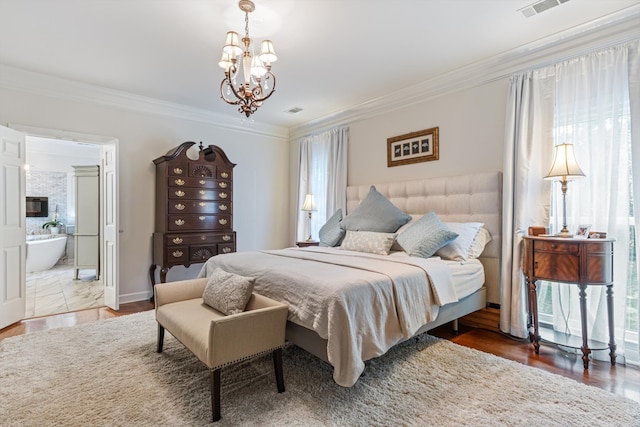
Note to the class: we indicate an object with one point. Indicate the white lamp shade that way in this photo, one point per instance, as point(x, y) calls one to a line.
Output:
point(225, 61)
point(257, 69)
point(267, 52)
point(564, 163)
point(232, 44)
point(309, 204)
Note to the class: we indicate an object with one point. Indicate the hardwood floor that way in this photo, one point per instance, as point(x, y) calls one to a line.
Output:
point(621, 380)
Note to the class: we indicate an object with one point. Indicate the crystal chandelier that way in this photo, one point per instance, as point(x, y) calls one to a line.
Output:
point(256, 69)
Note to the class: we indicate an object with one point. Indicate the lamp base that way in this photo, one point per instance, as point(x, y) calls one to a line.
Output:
point(564, 234)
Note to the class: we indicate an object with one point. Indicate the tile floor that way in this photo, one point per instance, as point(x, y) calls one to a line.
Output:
point(55, 291)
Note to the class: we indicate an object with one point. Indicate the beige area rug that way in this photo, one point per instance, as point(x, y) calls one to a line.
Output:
point(108, 373)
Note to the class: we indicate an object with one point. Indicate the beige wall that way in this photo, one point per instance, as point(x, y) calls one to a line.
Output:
point(261, 197)
point(471, 129)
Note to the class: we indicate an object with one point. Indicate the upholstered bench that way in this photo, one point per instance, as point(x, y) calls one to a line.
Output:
point(219, 340)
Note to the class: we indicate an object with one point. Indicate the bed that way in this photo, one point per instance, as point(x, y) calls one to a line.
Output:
point(348, 306)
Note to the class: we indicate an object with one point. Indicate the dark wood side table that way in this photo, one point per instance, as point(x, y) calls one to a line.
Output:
point(584, 262)
point(306, 243)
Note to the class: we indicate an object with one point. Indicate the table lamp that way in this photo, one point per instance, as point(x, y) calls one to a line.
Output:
point(309, 206)
point(564, 167)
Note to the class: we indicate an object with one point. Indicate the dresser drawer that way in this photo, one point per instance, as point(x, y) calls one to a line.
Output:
point(180, 193)
point(178, 254)
point(192, 238)
point(558, 247)
point(178, 169)
point(199, 222)
point(225, 248)
point(198, 207)
point(556, 267)
point(224, 173)
point(200, 170)
point(185, 182)
point(202, 253)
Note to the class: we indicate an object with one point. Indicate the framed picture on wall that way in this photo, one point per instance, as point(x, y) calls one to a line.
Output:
point(414, 147)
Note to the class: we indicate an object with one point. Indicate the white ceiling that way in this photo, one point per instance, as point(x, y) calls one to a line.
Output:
point(333, 54)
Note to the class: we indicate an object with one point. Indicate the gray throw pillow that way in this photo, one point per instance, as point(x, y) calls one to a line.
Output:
point(331, 234)
point(425, 236)
point(375, 213)
point(226, 292)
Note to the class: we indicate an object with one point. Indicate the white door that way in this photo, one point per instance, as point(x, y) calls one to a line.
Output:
point(109, 196)
point(12, 227)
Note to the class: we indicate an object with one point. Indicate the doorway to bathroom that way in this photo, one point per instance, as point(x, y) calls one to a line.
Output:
point(53, 284)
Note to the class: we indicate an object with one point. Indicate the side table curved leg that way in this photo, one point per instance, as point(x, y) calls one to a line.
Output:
point(583, 320)
point(534, 334)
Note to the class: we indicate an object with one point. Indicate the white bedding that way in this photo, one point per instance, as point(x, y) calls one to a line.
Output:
point(362, 304)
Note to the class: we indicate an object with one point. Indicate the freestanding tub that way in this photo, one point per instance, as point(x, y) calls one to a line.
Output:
point(44, 251)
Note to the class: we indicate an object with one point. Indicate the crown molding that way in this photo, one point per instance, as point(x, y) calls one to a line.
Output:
point(42, 84)
point(609, 30)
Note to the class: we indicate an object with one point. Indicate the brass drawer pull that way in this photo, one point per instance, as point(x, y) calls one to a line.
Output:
point(223, 195)
point(202, 218)
point(177, 254)
point(222, 221)
point(179, 222)
point(177, 171)
point(203, 237)
point(226, 237)
point(177, 240)
point(223, 184)
point(180, 206)
point(202, 204)
point(202, 192)
point(202, 182)
point(180, 193)
point(179, 181)
point(226, 250)
point(224, 175)
point(223, 207)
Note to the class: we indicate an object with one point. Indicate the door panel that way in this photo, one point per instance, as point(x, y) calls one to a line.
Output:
point(12, 227)
point(109, 195)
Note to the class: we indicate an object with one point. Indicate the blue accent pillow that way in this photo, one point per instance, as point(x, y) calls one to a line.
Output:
point(331, 234)
point(424, 237)
point(375, 213)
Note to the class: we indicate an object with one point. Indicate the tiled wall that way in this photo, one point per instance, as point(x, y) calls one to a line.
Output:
point(54, 186)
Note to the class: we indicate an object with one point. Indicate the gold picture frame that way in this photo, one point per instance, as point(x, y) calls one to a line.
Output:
point(414, 147)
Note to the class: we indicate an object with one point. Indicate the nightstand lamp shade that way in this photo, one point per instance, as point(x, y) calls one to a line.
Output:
point(564, 167)
point(309, 206)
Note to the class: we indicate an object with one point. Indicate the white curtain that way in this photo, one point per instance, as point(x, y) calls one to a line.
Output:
point(528, 146)
point(596, 108)
point(593, 113)
point(323, 173)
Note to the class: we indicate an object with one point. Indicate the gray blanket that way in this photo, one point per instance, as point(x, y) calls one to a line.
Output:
point(362, 304)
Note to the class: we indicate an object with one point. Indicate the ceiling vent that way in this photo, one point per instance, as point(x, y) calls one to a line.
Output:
point(539, 7)
point(293, 110)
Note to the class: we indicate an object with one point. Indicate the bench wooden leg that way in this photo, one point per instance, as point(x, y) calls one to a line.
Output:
point(160, 337)
point(277, 365)
point(215, 394)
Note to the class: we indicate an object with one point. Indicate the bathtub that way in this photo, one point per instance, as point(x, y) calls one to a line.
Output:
point(44, 251)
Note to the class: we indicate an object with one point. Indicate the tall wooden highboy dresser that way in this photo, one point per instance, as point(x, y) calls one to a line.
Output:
point(194, 208)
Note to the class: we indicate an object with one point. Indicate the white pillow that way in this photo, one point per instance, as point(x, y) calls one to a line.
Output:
point(368, 241)
point(479, 243)
point(459, 249)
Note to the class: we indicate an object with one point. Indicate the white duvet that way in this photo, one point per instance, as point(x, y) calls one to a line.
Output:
point(362, 304)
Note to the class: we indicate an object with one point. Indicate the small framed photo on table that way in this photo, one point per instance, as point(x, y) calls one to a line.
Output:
point(583, 231)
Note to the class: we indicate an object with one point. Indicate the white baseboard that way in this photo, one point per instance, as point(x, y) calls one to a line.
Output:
point(134, 297)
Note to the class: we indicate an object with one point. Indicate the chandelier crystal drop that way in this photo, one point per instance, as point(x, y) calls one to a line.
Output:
point(256, 70)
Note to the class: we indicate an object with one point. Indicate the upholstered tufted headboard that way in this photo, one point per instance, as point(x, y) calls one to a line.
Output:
point(463, 198)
